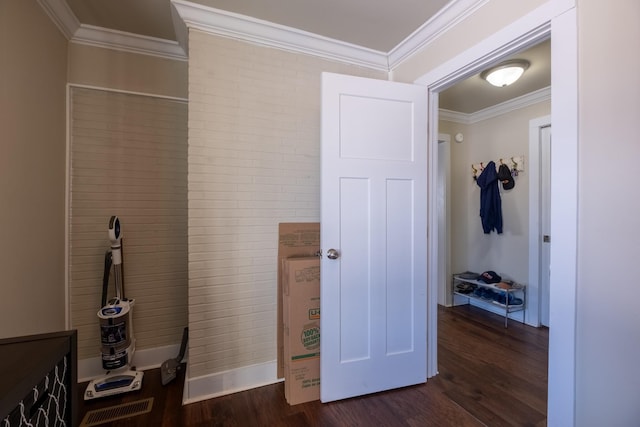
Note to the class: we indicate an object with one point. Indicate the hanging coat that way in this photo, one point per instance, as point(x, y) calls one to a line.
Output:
point(490, 202)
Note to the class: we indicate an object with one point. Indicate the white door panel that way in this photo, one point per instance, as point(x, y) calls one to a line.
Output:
point(374, 212)
point(355, 292)
point(364, 138)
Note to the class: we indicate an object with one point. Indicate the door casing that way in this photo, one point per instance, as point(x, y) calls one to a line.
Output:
point(556, 19)
point(535, 297)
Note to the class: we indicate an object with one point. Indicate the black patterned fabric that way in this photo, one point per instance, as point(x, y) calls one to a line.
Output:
point(47, 403)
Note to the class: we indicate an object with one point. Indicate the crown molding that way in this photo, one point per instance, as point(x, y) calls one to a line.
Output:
point(60, 13)
point(454, 116)
point(128, 42)
point(66, 21)
point(181, 30)
point(241, 27)
point(523, 101)
point(453, 13)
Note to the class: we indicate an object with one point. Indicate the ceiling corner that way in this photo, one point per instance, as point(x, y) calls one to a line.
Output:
point(449, 16)
point(61, 15)
point(180, 28)
point(253, 30)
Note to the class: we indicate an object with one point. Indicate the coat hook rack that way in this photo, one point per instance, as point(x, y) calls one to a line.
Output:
point(515, 163)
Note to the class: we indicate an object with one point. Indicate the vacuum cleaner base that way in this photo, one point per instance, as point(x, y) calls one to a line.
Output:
point(114, 383)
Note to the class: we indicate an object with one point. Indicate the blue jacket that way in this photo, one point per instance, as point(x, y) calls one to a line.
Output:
point(490, 202)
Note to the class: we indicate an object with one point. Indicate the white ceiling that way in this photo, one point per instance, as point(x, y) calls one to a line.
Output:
point(378, 25)
point(475, 94)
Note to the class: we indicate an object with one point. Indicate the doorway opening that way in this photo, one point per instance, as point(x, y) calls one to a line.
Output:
point(496, 132)
point(492, 124)
point(560, 25)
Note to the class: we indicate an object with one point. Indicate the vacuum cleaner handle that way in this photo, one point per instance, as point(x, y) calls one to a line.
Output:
point(183, 346)
point(105, 276)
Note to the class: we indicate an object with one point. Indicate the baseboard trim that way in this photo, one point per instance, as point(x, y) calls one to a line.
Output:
point(228, 382)
point(89, 369)
point(517, 315)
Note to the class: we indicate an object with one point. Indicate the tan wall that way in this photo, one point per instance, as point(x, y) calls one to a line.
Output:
point(608, 320)
point(254, 147)
point(499, 137)
point(108, 68)
point(32, 166)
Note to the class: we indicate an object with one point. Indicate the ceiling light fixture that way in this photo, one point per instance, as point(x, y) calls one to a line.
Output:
point(505, 73)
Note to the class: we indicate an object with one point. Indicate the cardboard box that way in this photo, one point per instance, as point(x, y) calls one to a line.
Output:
point(301, 314)
point(294, 240)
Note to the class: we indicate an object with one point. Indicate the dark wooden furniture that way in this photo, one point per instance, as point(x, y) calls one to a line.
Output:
point(38, 380)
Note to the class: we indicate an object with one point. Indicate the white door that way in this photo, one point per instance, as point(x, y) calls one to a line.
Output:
point(545, 222)
point(373, 223)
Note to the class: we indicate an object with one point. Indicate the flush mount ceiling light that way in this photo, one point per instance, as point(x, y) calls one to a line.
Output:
point(505, 73)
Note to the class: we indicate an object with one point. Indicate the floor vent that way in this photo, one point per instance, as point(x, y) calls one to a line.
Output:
point(118, 412)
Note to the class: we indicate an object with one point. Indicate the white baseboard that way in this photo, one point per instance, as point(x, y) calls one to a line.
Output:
point(195, 389)
point(517, 315)
point(233, 381)
point(89, 369)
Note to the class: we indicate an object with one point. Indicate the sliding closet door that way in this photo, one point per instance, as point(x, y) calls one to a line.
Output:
point(128, 157)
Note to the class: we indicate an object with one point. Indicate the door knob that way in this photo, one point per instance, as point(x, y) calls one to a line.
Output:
point(333, 254)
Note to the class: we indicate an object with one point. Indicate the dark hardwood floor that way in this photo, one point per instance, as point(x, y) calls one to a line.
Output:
point(488, 376)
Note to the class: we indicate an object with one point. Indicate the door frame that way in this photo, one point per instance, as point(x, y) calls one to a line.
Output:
point(534, 302)
point(444, 236)
point(556, 19)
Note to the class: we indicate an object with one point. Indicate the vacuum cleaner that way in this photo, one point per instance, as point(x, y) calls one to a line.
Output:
point(116, 327)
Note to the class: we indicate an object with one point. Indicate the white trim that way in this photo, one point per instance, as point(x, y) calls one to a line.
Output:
point(151, 358)
point(453, 13)
point(61, 15)
point(533, 300)
point(128, 92)
point(523, 101)
point(518, 316)
point(555, 18)
point(444, 206)
point(561, 399)
point(227, 382)
point(180, 28)
point(240, 27)
point(523, 33)
point(454, 116)
point(432, 236)
point(257, 31)
point(67, 211)
point(128, 42)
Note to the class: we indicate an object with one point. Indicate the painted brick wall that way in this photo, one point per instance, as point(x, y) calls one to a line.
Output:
point(128, 158)
point(254, 146)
